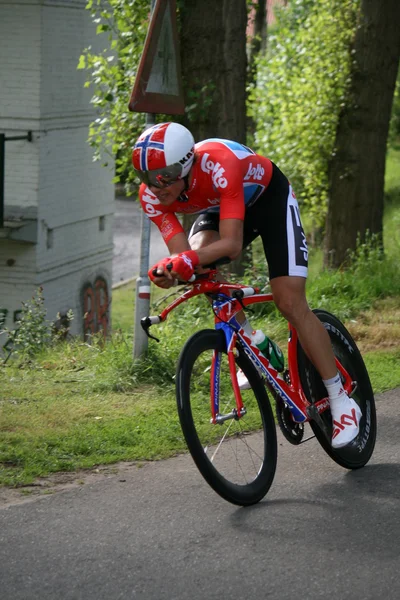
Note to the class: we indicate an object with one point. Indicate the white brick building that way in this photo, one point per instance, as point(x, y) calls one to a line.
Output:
point(58, 204)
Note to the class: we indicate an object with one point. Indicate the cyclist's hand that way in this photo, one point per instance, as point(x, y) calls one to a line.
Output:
point(164, 282)
point(184, 264)
point(160, 275)
point(166, 271)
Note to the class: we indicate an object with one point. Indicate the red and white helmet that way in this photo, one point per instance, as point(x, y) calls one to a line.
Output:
point(163, 154)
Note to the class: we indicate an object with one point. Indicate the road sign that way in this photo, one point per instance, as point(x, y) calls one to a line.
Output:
point(158, 84)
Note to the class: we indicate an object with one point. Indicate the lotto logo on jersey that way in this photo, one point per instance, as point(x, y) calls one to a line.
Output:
point(148, 201)
point(216, 171)
point(256, 172)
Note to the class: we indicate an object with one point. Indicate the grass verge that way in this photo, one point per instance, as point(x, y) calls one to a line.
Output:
point(91, 405)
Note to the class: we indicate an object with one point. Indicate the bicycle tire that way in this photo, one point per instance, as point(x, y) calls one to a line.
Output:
point(356, 454)
point(211, 456)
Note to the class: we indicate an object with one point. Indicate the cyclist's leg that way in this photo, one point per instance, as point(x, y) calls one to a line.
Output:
point(205, 231)
point(290, 298)
point(278, 218)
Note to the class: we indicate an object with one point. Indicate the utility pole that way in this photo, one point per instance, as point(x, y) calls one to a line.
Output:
point(157, 90)
point(142, 303)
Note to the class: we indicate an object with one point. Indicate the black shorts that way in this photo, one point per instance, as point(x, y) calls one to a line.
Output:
point(275, 217)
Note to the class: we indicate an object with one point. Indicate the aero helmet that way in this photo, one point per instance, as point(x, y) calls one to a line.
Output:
point(163, 154)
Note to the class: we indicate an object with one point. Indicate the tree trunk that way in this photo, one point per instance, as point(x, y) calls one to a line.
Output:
point(257, 45)
point(258, 42)
point(356, 177)
point(214, 62)
point(213, 54)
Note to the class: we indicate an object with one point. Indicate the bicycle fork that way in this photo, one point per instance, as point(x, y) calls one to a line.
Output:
point(240, 410)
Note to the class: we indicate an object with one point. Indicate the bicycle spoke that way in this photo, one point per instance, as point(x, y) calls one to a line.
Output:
point(221, 442)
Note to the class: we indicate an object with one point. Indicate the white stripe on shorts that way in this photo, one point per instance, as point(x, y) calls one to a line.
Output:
point(297, 243)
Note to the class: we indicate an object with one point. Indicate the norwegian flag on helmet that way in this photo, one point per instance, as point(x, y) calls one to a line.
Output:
point(149, 151)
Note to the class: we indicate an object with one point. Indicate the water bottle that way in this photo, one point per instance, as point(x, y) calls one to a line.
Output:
point(269, 349)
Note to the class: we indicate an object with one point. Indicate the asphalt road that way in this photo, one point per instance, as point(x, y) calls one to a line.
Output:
point(160, 533)
point(127, 228)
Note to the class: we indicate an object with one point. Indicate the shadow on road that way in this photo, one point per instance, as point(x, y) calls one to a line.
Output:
point(360, 513)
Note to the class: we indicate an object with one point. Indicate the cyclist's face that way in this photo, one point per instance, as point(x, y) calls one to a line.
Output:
point(167, 195)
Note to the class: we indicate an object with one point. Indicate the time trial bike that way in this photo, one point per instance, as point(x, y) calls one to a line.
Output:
point(231, 433)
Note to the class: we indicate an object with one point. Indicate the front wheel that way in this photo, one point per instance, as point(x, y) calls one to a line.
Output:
point(237, 457)
point(359, 451)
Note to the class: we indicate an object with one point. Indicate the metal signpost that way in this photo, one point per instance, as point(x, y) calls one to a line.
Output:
point(157, 89)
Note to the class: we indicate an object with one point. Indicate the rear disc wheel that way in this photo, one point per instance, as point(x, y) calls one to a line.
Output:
point(359, 451)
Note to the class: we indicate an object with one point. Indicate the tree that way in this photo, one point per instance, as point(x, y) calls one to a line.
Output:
point(257, 45)
point(356, 176)
point(213, 56)
point(258, 41)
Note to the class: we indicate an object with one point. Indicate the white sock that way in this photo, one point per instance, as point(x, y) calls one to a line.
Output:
point(334, 388)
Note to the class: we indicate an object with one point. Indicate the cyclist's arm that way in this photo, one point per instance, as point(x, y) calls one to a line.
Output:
point(177, 244)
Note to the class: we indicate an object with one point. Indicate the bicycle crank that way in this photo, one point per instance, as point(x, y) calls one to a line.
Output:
point(292, 431)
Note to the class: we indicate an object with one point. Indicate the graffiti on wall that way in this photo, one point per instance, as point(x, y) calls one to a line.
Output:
point(95, 305)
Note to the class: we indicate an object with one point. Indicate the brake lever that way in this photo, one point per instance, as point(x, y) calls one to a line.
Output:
point(238, 295)
point(146, 324)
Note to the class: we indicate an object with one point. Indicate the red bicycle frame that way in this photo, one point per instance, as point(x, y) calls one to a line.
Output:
point(227, 301)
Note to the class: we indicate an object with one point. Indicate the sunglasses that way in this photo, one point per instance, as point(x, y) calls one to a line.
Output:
point(161, 178)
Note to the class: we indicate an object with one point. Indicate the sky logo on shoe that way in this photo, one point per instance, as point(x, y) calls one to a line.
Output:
point(345, 420)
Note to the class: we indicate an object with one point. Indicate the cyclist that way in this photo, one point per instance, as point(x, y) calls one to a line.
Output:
point(239, 195)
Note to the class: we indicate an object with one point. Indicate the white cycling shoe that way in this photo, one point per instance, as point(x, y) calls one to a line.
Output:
point(346, 415)
point(242, 380)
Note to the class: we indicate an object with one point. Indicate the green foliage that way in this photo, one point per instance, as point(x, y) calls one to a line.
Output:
point(112, 73)
point(394, 130)
point(371, 275)
point(300, 91)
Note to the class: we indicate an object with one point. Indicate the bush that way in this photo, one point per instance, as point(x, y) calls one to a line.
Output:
point(34, 332)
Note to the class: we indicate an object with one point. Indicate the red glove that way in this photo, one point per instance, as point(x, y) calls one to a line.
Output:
point(184, 264)
point(162, 264)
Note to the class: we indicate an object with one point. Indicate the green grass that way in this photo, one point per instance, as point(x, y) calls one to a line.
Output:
point(123, 303)
point(383, 369)
point(76, 406)
point(53, 419)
